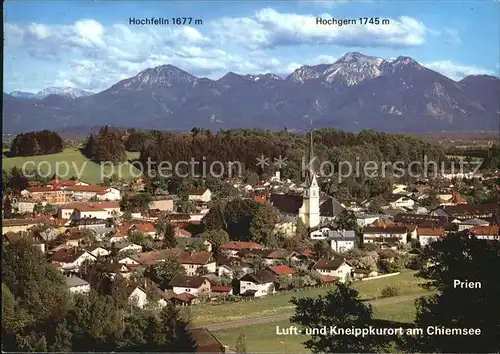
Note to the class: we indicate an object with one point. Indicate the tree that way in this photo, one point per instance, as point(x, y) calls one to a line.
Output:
point(241, 344)
point(215, 237)
point(214, 219)
point(339, 307)
point(141, 239)
point(347, 220)
point(7, 208)
point(201, 271)
point(464, 258)
point(322, 249)
point(163, 272)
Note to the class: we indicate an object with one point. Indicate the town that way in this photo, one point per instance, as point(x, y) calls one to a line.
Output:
point(239, 239)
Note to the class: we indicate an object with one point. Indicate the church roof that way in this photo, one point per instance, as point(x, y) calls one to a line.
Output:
point(291, 203)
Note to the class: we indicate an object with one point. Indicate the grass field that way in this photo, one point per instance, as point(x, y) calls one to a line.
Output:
point(71, 163)
point(263, 338)
point(204, 314)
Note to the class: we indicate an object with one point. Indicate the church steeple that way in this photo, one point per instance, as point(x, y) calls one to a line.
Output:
point(309, 212)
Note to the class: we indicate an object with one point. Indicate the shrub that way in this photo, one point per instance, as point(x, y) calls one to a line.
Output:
point(389, 291)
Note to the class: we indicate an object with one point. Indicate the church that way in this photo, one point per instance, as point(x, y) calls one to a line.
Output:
point(312, 206)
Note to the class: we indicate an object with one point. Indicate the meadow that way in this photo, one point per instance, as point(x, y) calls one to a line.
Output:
point(71, 163)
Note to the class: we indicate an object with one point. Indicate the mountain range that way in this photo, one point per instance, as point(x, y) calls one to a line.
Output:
point(68, 92)
point(356, 92)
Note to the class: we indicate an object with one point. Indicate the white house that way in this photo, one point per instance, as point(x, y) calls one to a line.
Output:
point(200, 195)
point(98, 251)
point(77, 285)
point(138, 297)
point(70, 258)
point(427, 235)
point(109, 194)
point(319, 234)
point(125, 246)
point(191, 261)
point(377, 234)
point(469, 224)
point(401, 201)
point(399, 188)
point(258, 284)
point(112, 208)
point(342, 240)
point(190, 284)
point(486, 232)
point(365, 219)
point(89, 212)
point(334, 267)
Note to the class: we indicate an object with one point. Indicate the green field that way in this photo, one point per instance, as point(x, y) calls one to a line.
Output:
point(263, 338)
point(71, 163)
point(209, 313)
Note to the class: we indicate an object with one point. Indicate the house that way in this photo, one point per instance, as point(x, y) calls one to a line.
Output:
point(89, 212)
point(337, 267)
point(17, 225)
point(427, 235)
point(84, 193)
point(282, 270)
point(112, 208)
point(179, 232)
point(233, 247)
point(319, 234)
point(365, 219)
point(232, 267)
point(113, 268)
point(360, 273)
point(486, 232)
point(72, 258)
point(206, 342)
point(200, 195)
point(124, 246)
point(87, 223)
point(149, 258)
point(65, 183)
point(342, 240)
point(469, 224)
point(137, 296)
point(373, 234)
point(98, 251)
point(222, 290)
point(258, 284)
point(190, 284)
point(77, 285)
point(26, 206)
point(464, 212)
point(397, 201)
point(50, 195)
point(162, 203)
point(399, 188)
point(191, 261)
point(31, 236)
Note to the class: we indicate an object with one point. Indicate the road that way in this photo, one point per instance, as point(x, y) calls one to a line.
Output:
point(267, 319)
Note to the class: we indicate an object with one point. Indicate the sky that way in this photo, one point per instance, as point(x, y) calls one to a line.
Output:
point(91, 45)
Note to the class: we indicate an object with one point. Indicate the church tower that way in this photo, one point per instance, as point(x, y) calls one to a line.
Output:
point(309, 212)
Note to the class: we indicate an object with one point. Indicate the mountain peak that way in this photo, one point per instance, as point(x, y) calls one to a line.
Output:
point(351, 56)
point(163, 75)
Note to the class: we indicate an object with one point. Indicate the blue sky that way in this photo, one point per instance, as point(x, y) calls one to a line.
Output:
point(91, 45)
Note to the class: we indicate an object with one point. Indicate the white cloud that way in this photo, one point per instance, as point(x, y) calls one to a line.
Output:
point(270, 28)
point(456, 71)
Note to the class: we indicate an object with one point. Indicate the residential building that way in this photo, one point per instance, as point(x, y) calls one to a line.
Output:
point(191, 261)
point(334, 267)
point(193, 285)
point(258, 284)
point(398, 234)
point(77, 285)
point(231, 248)
point(486, 232)
point(200, 195)
point(72, 258)
point(342, 240)
point(426, 235)
point(469, 224)
point(162, 203)
point(282, 270)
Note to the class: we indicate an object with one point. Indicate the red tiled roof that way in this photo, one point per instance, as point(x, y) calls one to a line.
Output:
point(237, 245)
point(428, 231)
point(260, 198)
point(63, 182)
point(103, 205)
point(96, 189)
point(283, 270)
point(39, 189)
point(144, 227)
point(486, 230)
point(221, 289)
point(329, 279)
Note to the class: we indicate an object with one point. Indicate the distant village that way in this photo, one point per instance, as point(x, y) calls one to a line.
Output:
point(75, 224)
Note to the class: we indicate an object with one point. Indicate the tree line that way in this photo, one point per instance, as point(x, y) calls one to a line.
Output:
point(36, 143)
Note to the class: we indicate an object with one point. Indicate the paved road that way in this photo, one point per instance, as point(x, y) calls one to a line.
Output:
point(267, 319)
